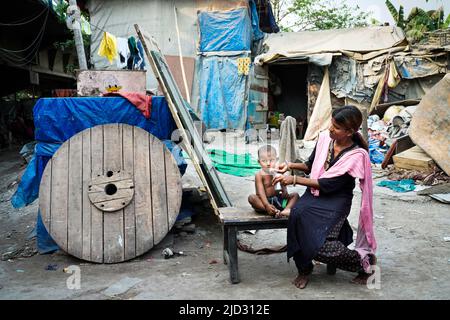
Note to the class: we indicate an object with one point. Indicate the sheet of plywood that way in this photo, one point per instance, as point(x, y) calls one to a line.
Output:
point(430, 125)
point(175, 68)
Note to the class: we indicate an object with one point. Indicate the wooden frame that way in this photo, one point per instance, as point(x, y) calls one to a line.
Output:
point(180, 112)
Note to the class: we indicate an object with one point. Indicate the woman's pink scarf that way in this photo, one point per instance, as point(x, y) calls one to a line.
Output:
point(355, 162)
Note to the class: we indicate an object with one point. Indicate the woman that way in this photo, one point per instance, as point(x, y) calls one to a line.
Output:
point(318, 228)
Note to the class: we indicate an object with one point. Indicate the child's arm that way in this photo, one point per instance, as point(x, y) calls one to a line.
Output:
point(261, 193)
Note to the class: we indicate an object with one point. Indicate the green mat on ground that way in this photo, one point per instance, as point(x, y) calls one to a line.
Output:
point(241, 165)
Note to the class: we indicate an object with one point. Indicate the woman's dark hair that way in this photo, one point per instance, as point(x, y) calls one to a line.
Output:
point(350, 118)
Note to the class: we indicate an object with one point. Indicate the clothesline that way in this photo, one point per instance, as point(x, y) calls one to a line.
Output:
point(128, 52)
point(97, 27)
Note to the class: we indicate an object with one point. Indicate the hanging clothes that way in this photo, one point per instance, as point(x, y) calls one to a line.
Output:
point(136, 60)
point(287, 150)
point(108, 47)
point(123, 53)
point(141, 61)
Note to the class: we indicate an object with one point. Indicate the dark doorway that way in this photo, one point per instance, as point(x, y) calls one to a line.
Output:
point(288, 92)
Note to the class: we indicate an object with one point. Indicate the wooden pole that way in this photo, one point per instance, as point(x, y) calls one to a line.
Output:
point(186, 89)
point(365, 129)
point(78, 37)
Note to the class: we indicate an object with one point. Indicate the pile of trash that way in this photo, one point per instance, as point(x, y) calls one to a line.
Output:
point(436, 177)
point(383, 131)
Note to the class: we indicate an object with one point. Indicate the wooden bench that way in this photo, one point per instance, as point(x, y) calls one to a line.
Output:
point(234, 219)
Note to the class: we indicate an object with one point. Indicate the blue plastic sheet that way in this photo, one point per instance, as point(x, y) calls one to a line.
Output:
point(58, 119)
point(222, 93)
point(376, 152)
point(225, 30)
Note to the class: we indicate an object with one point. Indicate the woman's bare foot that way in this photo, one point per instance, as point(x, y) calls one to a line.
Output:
point(361, 278)
point(301, 281)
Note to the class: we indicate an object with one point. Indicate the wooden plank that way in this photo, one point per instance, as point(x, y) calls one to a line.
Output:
point(414, 159)
point(116, 176)
point(60, 186)
point(45, 192)
point(113, 207)
point(124, 190)
point(75, 201)
point(174, 188)
point(113, 238)
point(86, 253)
point(143, 197)
point(96, 214)
point(121, 184)
point(129, 217)
point(159, 192)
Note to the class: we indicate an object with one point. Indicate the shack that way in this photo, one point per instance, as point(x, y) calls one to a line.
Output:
point(350, 66)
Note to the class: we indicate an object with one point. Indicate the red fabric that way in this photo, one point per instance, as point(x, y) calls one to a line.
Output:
point(141, 101)
point(64, 93)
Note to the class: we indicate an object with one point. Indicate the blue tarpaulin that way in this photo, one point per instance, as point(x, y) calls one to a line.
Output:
point(58, 119)
point(222, 93)
point(225, 30)
point(376, 152)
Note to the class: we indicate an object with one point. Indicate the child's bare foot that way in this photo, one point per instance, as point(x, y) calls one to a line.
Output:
point(276, 214)
point(301, 281)
point(285, 213)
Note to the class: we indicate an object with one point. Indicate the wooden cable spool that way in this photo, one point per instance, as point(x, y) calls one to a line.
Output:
point(110, 193)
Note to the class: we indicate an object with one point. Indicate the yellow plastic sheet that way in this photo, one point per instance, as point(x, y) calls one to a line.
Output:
point(394, 77)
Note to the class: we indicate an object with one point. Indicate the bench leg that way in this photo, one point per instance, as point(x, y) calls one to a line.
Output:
point(331, 269)
point(233, 254)
point(225, 245)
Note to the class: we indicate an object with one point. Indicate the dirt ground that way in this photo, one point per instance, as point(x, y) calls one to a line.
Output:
point(412, 253)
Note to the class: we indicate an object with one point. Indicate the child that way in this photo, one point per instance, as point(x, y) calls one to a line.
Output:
point(269, 199)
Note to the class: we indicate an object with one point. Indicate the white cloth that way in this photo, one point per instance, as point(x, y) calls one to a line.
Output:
point(123, 53)
point(287, 148)
point(321, 115)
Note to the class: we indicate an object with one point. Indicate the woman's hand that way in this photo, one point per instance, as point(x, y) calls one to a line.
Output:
point(283, 167)
point(285, 180)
